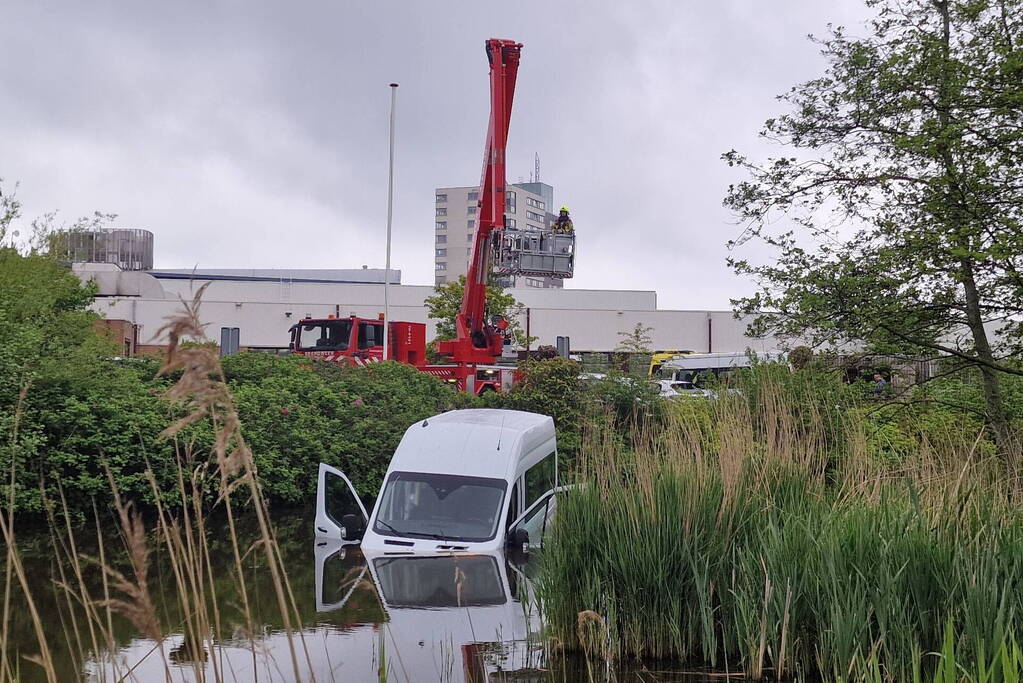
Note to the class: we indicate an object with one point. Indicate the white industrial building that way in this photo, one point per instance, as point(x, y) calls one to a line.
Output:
point(263, 304)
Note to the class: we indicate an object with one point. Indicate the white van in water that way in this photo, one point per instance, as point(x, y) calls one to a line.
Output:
point(465, 480)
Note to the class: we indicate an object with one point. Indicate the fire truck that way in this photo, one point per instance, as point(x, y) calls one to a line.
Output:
point(470, 359)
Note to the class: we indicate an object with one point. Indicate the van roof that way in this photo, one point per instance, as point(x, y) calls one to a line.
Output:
point(478, 443)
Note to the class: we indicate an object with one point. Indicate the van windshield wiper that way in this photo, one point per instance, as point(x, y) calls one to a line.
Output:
point(437, 537)
point(391, 528)
point(424, 534)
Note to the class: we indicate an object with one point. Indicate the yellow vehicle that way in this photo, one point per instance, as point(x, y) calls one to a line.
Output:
point(659, 358)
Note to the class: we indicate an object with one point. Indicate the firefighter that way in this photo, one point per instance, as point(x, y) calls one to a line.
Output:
point(563, 224)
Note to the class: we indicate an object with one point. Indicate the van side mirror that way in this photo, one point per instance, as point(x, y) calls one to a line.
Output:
point(352, 527)
point(518, 539)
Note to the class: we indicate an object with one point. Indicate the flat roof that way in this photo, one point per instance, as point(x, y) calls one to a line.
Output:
point(361, 276)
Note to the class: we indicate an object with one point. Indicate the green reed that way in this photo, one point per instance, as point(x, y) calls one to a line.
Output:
point(742, 542)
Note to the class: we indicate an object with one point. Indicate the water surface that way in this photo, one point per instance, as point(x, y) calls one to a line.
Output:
point(384, 617)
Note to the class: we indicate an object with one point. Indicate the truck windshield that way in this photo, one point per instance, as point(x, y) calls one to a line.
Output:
point(324, 335)
point(442, 506)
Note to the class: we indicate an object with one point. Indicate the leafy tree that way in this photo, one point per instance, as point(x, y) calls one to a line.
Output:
point(444, 305)
point(46, 236)
point(800, 357)
point(636, 340)
point(552, 387)
point(44, 309)
point(902, 187)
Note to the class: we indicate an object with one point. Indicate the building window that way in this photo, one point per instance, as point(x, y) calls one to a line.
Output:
point(442, 225)
point(440, 252)
point(534, 217)
point(442, 239)
point(509, 202)
point(441, 211)
point(468, 238)
point(510, 222)
point(535, 203)
point(441, 198)
point(471, 210)
point(530, 226)
point(471, 224)
point(440, 279)
point(473, 197)
point(441, 266)
point(533, 282)
point(468, 252)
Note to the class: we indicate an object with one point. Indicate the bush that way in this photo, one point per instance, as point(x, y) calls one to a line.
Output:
point(627, 400)
point(551, 387)
point(296, 414)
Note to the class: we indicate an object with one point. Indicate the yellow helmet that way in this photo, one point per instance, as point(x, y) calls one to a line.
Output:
point(565, 209)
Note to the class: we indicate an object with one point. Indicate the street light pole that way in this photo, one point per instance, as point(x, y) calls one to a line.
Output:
point(390, 211)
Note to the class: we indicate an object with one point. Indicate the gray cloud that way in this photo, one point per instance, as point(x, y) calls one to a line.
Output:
point(250, 135)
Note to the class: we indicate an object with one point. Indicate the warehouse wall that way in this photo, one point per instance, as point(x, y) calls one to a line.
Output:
point(265, 310)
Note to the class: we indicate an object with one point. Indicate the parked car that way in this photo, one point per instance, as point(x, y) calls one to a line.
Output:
point(673, 389)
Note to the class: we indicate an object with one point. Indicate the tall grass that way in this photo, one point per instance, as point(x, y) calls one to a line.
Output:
point(752, 533)
point(103, 592)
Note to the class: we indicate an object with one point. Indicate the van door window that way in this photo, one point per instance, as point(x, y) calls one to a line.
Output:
point(513, 508)
point(538, 520)
point(541, 478)
point(339, 512)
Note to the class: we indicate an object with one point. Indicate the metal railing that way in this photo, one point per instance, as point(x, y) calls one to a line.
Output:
point(534, 252)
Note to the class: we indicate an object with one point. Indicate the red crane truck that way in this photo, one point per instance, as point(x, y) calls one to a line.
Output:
point(479, 340)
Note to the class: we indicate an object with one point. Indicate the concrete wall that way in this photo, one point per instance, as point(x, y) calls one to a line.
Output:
point(300, 293)
point(265, 324)
point(264, 311)
point(602, 330)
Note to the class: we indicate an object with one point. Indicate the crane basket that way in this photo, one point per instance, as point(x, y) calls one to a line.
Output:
point(533, 252)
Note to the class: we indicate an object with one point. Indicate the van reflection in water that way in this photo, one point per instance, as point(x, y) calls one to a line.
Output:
point(442, 617)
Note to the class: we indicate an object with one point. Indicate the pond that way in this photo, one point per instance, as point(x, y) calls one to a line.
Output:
point(356, 617)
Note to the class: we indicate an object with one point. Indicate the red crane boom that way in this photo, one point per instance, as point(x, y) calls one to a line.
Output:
point(477, 340)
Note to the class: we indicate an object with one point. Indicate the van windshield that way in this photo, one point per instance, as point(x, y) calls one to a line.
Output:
point(441, 506)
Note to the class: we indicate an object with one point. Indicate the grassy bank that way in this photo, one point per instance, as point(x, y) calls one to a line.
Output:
point(761, 533)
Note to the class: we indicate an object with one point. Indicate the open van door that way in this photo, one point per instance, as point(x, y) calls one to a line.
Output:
point(528, 530)
point(340, 514)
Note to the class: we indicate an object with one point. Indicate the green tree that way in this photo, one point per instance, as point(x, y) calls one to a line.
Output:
point(552, 387)
point(444, 305)
point(636, 340)
point(902, 190)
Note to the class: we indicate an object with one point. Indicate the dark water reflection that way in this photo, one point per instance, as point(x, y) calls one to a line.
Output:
point(462, 618)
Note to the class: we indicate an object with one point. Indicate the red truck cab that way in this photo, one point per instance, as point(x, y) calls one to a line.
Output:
point(356, 341)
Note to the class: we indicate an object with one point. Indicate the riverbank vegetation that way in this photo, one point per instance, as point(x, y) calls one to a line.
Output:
point(775, 531)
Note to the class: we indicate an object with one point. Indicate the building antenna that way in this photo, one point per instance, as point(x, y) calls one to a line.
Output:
point(536, 172)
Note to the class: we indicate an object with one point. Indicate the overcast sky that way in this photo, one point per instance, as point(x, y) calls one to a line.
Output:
point(248, 134)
